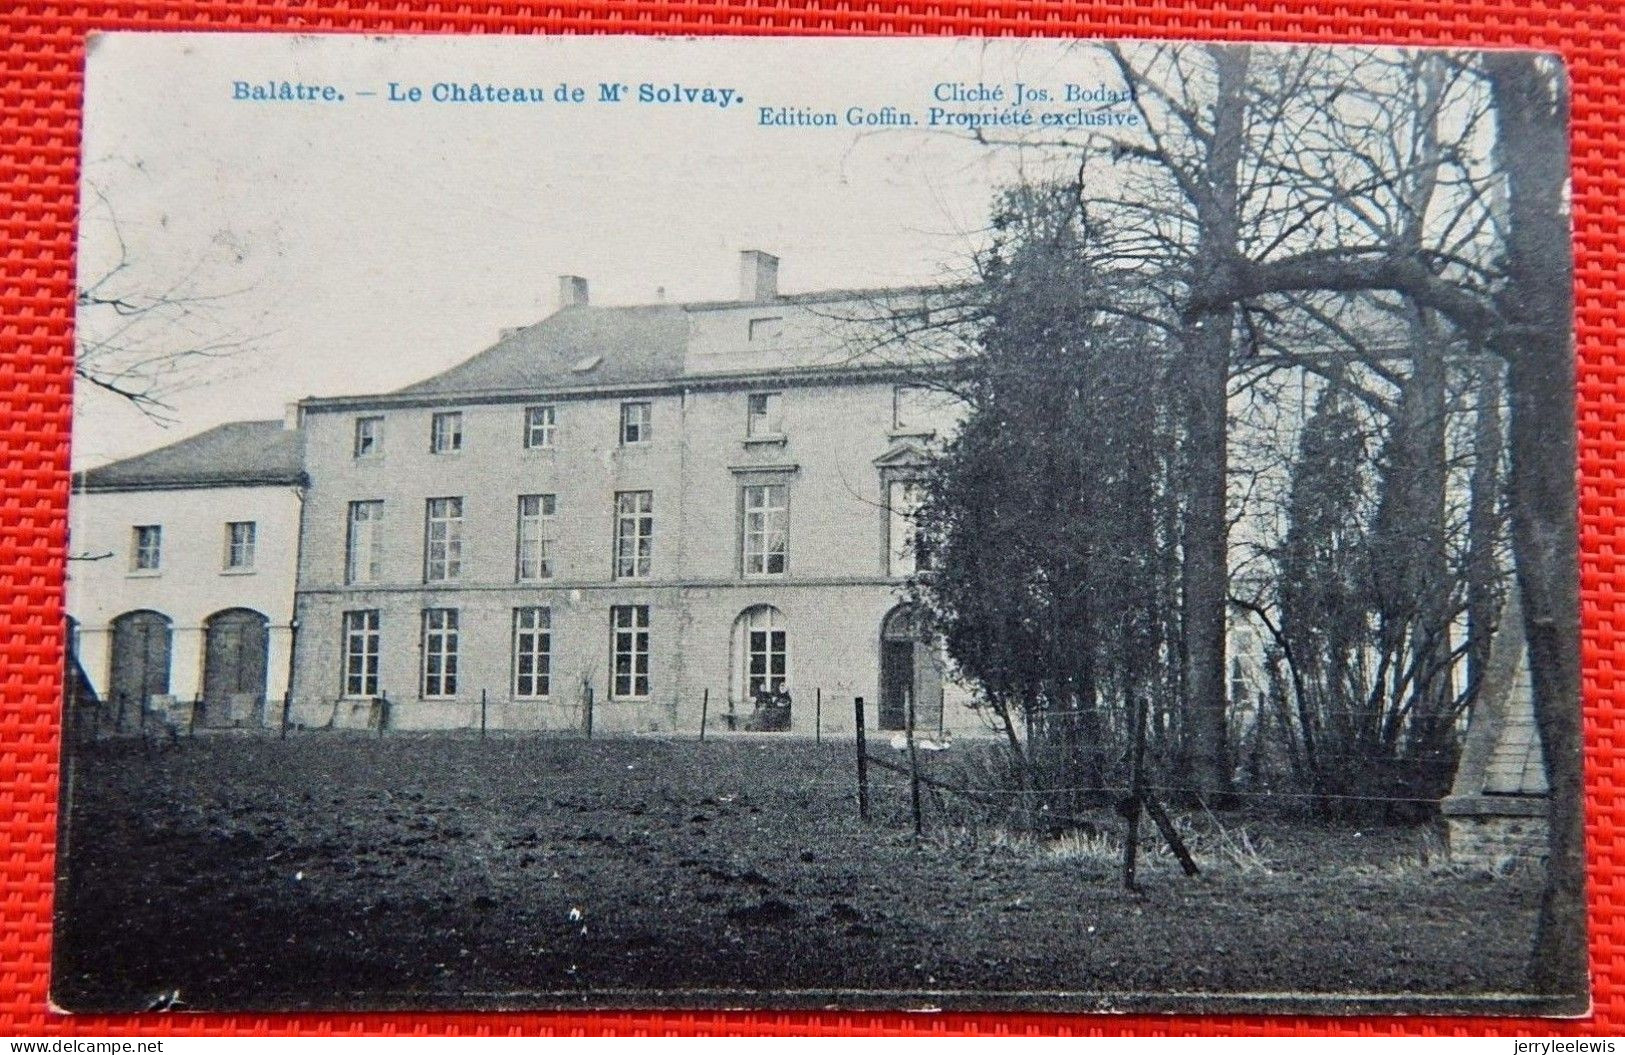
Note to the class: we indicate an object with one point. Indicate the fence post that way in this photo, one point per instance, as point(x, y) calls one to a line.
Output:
point(705, 706)
point(942, 712)
point(863, 761)
point(482, 714)
point(913, 764)
point(587, 714)
point(191, 718)
point(287, 708)
point(818, 716)
point(383, 712)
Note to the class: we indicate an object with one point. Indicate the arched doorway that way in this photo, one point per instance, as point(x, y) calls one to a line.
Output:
point(140, 658)
point(908, 669)
point(760, 682)
point(234, 659)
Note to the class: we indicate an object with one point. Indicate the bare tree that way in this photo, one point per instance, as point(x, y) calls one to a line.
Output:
point(145, 337)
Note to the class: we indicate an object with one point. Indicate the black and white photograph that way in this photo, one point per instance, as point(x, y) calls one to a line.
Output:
point(929, 524)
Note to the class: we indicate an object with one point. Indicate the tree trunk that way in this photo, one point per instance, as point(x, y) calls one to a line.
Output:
point(1531, 105)
point(1208, 334)
point(1483, 522)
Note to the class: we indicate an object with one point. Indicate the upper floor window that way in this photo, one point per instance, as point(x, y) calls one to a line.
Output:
point(540, 423)
point(146, 547)
point(768, 328)
point(903, 503)
point(532, 653)
point(536, 536)
point(634, 533)
point(439, 653)
point(912, 408)
point(361, 641)
point(369, 437)
point(446, 432)
point(240, 544)
point(763, 414)
point(364, 543)
point(637, 422)
point(629, 651)
point(443, 540)
point(767, 516)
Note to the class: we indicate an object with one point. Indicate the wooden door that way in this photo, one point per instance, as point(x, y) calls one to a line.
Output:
point(234, 655)
point(140, 656)
point(896, 681)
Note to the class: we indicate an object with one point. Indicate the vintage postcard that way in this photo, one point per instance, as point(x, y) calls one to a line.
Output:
point(965, 524)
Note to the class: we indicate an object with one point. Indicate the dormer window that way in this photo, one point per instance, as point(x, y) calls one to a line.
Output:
point(767, 328)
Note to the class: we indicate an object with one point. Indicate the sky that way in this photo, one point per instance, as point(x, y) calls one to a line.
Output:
point(358, 246)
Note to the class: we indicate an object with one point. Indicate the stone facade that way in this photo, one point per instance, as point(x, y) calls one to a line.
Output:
point(835, 436)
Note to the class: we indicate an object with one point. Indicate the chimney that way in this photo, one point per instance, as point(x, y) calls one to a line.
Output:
point(758, 275)
point(572, 291)
point(293, 415)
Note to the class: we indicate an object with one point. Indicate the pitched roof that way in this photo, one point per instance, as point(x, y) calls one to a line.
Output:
point(238, 452)
point(586, 345)
point(577, 345)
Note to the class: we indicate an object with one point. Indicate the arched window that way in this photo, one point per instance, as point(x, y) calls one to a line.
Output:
point(910, 673)
point(761, 654)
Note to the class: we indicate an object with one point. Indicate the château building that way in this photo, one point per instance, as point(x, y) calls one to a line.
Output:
point(633, 518)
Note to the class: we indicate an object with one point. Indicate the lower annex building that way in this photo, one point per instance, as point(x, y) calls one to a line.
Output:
point(181, 575)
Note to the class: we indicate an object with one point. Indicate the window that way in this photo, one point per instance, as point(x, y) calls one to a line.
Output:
point(539, 425)
point(629, 650)
point(762, 414)
point(369, 437)
point(914, 408)
point(439, 653)
point(770, 328)
point(361, 653)
point(146, 549)
point(536, 537)
point(443, 544)
point(532, 653)
point(761, 653)
point(364, 547)
point(903, 501)
point(446, 432)
point(767, 517)
point(240, 544)
point(634, 533)
point(637, 423)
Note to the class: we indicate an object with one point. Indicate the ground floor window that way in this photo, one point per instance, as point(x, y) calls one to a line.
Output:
point(629, 650)
point(761, 664)
point(439, 653)
point(361, 653)
point(532, 653)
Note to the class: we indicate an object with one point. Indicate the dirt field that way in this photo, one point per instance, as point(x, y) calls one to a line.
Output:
point(333, 872)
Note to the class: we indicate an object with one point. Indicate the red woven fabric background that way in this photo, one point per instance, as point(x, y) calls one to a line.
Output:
point(41, 54)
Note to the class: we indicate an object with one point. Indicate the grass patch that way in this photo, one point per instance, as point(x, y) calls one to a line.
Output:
point(329, 871)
